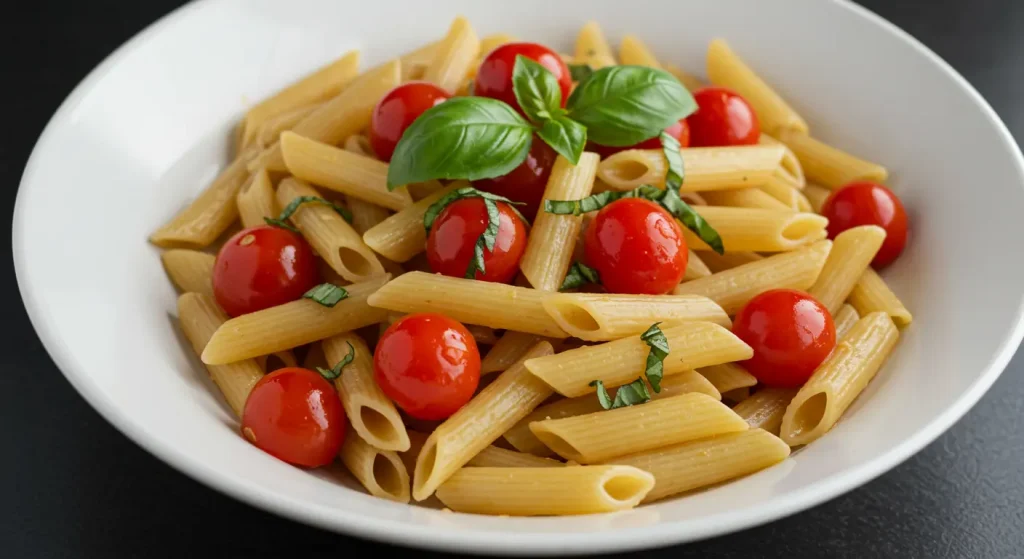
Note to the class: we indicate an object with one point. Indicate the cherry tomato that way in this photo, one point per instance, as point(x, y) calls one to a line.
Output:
point(636, 247)
point(494, 78)
point(428, 364)
point(790, 332)
point(397, 110)
point(680, 131)
point(295, 415)
point(869, 203)
point(262, 267)
point(723, 118)
point(526, 183)
point(453, 237)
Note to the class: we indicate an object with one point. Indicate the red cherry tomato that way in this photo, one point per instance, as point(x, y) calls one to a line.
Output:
point(526, 183)
point(453, 237)
point(262, 267)
point(494, 78)
point(428, 364)
point(295, 415)
point(680, 131)
point(790, 332)
point(869, 203)
point(397, 110)
point(723, 118)
point(636, 247)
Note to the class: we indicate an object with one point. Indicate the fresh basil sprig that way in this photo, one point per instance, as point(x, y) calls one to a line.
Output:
point(486, 239)
point(674, 203)
point(335, 371)
point(579, 275)
point(580, 72)
point(282, 219)
point(670, 147)
point(540, 97)
point(327, 294)
point(627, 394)
point(654, 370)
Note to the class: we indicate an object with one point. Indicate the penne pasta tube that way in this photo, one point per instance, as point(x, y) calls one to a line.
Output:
point(370, 413)
point(592, 48)
point(482, 334)
point(790, 170)
point(381, 472)
point(734, 287)
point(346, 114)
point(256, 200)
point(609, 316)
point(494, 457)
point(293, 324)
point(689, 81)
point(553, 237)
point(871, 294)
point(728, 377)
point(851, 254)
point(499, 306)
point(633, 52)
point(691, 345)
point(717, 168)
point(277, 360)
point(479, 423)
point(342, 171)
point(455, 56)
point(736, 395)
point(695, 267)
point(745, 198)
point(828, 166)
point(315, 357)
point(764, 410)
point(816, 195)
point(507, 350)
point(844, 320)
point(545, 491)
point(725, 68)
point(838, 381)
point(522, 438)
point(330, 235)
point(415, 63)
point(200, 318)
point(190, 270)
point(359, 145)
point(786, 194)
point(365, 216)
point(420, 190)
point(319, 86)
point(692, 465)
point(600, 436)
point(402, 236)
point(491, 42)
point(757, 230)
point(271, 130)
point(720, 262)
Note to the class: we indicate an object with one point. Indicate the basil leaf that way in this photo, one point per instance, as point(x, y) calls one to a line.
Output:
point(623, 105)
point(282, 219)
point(591, 203)
point(627, 395)
point(436, 208)
point(579, 274)
point(580, 72)
point(335, 371)
point(655, 368)
point(536, 89)
point(565, 136)
point(670, 146)
point(602, 394)
point(327, 294)
point(463, 138)
point(675, 205)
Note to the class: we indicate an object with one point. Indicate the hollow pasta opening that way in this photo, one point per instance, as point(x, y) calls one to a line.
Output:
point(693, 199)
point(377, 425)
point(626, 169)
point(576, 318)
point(559, 445)
point(355, 262)
point(386, 474)
point(425, 464)
point(804, 228)
point(810, 413)
point(625, 488)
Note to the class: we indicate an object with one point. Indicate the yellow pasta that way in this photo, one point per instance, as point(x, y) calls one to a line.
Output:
point(507, 350)
point(402, 236)
point(756, 230)
point(728, 377)
point(610, 316)
point(270, 132)
point(256, 200)
point(293, 324)
point(695, 267)
point(381, 472)
point(415, 63)
point(550, 246)
point(692, 465)
point(479, 423)
point(720, 262)
point(816, 195)
point(838, 381)
point(734, 287)
point(717, 168)
point(851, 254)
point(494, 457)
point(360, 145)
point(828, 166)
point(786, 194)
point(200, 318)
point(190, 270)
point(871, 294)
point(691, 345)
point(365, 216)
point(764, 409)
point(790, 171)
point(545, 491)
point(330, 235)
point(456, 55)
point(745, 198)
point(725, 68)
point(491, 42)
point(592, 48)
point(844, 319)
point(633, 52)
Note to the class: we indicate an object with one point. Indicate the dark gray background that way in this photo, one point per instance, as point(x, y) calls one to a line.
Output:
point(73, 486)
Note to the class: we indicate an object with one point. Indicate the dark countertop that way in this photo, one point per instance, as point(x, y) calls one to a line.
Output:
point(74, 486)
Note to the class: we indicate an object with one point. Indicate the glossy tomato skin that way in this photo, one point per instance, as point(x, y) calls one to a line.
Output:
point(397, 110)
point(428, 364)
point(494, 78)
point(262, 267)
point(791, 334)
point(526, 183)
point(636, 247)
point(869, 203)
point(453, 237)
point(295, 415)
point(680, 131)
point(723, 118)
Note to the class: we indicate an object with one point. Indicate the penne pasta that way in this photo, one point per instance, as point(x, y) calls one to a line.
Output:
point(736, 395)
point(359, 145)
point(381, 472)
point(725, 68)
point(721, 262)
point(315, 357)
point(745, 198)
point(790, 171)
point(838, 381)
point(786, 194)
point(633, 52)
point(717, 168)
point(545, 491)
point(695, 267)
point(494, 457)
point(851, 254)
point(402, 236)
point(415, 63)
point(757, 230)
point(479, 423)
point(609, 316)
point(491, 42)
point(416, 440)
point(200, 318)
point(691, 345)
point(190, 270)
point(692, 465)
point(256, 200)
point(816, 196)
point(734, 287)
point(365, 216)
point(277, 360)
point(592, 48)
point(728, 377)
point(844, 320)
point(549, 249)
point(764, 410)
point(293, 324)
point(507, 350)
point(828, 166)
point(871, 294)
point(456, 54)
point(270, 132)
point(330, 235)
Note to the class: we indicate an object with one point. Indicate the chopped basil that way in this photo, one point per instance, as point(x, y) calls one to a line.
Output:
point(655, 368)
point(579, 275)
point(670, 146)
point(627, 395)
point(335, 371)
point(327, 294)
point(282, 219)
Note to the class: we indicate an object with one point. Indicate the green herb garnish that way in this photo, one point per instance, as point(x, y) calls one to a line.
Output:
point(580, 72)
point(335, 371)
point(282, 219)
point(627, 395)
point(655, 368)
point(579, 275)
point(327, 294)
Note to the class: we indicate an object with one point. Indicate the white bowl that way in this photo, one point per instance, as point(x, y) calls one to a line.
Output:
point(150, 126)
